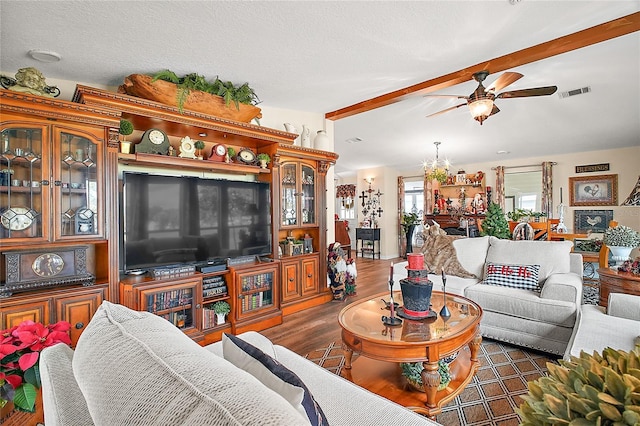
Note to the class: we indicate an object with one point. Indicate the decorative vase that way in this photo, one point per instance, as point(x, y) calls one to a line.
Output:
point(292, 129)
point(620, 253)
point(263, 164)
point(125, 147)
point(410, 230)
point(220, 318)
point(322, 141)
point(306, 136)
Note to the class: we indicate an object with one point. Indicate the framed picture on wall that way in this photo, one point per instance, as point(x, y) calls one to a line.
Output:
point(600, 190)
point(591, 220)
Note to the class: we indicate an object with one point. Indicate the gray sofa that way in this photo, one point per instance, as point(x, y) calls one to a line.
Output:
point(135, 368)
point(541, 320)
point(617, 326)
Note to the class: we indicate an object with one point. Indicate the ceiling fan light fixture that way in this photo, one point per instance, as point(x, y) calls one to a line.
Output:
point(480, 109)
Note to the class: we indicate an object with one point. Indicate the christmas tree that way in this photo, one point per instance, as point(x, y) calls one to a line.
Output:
point(495, 223)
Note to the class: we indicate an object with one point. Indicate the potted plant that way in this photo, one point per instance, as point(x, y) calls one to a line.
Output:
point(263, 159)
point(409, 223)
point(221, 309)
point(438, 174)
point(199, 146)
point(231, 154)
point(126, 128)
point(589, 390)
point(413, 373)
point(192, 91)
point(621, 240)
point(20, 348)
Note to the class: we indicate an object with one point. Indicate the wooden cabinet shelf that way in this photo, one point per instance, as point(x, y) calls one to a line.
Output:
point(188, 163)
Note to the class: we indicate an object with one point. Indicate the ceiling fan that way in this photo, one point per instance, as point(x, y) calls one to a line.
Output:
point(481, 100)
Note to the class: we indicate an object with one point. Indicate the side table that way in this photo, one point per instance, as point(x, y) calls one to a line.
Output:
point(368, 234)
point(614, 281)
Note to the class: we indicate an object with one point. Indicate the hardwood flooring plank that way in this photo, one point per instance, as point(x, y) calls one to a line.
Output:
point(314, 328)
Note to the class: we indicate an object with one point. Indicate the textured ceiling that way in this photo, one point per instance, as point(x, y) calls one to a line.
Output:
point(321, 56)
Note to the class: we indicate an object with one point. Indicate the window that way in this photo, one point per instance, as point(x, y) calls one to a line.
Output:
point(414, 197)
point(525, 188)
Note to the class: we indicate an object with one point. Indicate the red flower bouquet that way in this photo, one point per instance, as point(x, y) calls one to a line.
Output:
point(20, 348)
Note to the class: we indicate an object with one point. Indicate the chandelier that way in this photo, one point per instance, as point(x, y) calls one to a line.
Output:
point(437, 169)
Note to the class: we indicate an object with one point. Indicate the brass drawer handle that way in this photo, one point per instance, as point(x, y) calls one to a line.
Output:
point(309, 275)
point(291, 279)
point(79, 325)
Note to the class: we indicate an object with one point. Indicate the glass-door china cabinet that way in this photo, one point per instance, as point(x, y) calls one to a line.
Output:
point(50, 184)
point(298, 191)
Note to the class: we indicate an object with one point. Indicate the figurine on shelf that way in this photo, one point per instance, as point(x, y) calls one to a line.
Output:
point(478, 204)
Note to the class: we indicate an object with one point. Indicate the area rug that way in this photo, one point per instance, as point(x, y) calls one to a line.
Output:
point(497, 388)
point(492, 396)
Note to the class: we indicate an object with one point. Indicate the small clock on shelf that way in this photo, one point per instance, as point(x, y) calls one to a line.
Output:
point(246, 156)
point(17, 218)
point(154, 141)
point(218, 152)
point(187, 148)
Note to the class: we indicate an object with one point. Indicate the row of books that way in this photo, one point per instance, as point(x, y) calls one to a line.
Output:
point(169, 299)
point(179, 319)
point(256, 300)
point(257, 281)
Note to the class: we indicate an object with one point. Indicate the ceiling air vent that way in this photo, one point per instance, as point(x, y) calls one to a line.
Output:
point(575, 92)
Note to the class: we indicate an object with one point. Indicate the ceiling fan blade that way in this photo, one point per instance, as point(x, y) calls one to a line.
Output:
point(445, 110)
point(447, 96)
point(538, 91)
point(504, 80)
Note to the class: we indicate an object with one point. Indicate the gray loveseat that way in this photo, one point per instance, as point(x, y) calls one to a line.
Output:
point(541, 320)
point(135, 368)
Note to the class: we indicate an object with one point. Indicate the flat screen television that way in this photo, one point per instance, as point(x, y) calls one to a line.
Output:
point(169, 220)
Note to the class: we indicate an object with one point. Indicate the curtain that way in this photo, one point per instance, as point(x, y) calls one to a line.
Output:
point(401, 237)
point(344, 191)
point(547, 189)
point(500, 187)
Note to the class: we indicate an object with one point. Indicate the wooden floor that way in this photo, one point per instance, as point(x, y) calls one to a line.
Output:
point(314, 328)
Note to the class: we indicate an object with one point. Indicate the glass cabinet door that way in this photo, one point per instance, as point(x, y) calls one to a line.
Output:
point(23, 183)
point(289, 201)
point(308, 201)
point(77, 181)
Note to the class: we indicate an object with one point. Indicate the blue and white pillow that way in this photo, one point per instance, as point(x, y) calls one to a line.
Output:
point(273, 375)
point(516, 276)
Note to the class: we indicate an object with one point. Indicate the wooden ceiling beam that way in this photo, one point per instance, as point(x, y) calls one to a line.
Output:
point(603, 32)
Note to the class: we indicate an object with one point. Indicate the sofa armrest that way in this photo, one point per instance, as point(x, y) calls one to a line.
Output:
point(565, 287)
point(624, 306)
point(576, 264)
point(62, 399)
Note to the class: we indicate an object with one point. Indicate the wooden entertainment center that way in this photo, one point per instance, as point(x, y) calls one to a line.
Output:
point(66, 158)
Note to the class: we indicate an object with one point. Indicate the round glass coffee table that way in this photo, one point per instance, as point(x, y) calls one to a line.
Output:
point(382, 348)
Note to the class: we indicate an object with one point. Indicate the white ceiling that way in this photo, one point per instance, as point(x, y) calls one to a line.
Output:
point(321, 56)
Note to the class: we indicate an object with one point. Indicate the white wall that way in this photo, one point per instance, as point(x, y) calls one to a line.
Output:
point(385, 179)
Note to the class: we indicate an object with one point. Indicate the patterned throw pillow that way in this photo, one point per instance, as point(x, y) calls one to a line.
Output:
point(273, 375)
point(516, 276)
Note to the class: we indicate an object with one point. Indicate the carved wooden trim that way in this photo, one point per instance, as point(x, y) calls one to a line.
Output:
point(144, 107)
point(60, 110)
point(114, 138)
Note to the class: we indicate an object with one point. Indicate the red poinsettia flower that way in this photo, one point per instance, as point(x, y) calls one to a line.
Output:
point(20, 348)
